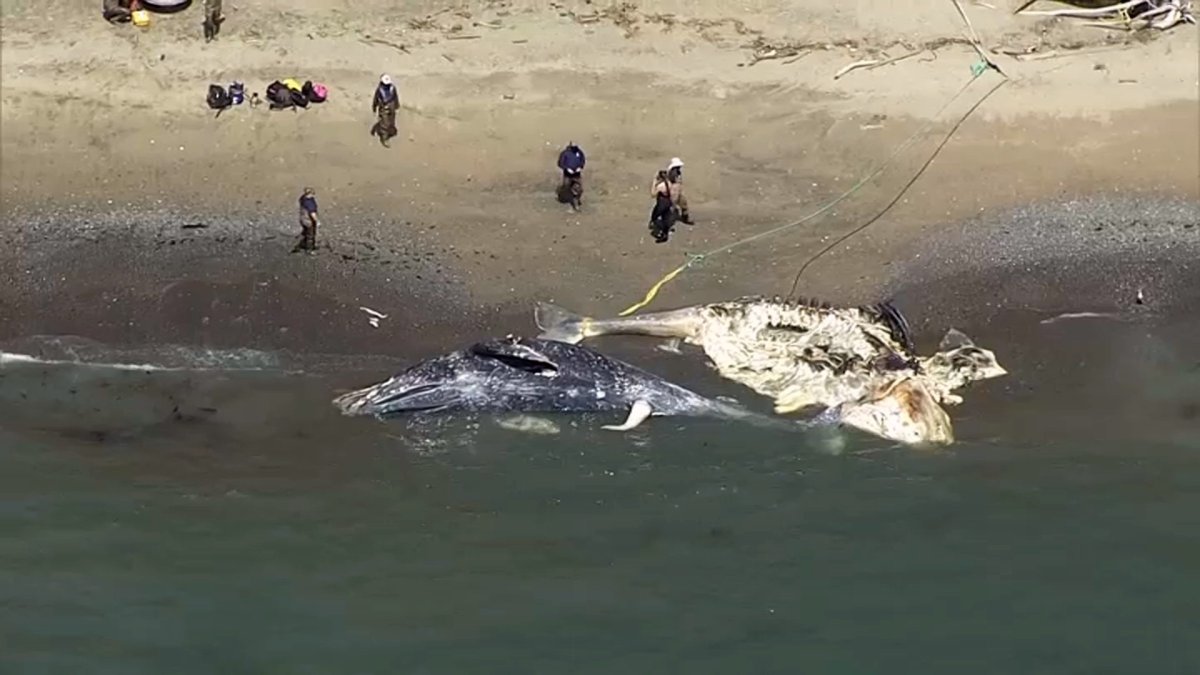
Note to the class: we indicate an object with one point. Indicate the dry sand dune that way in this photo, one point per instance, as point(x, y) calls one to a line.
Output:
point(100, 122)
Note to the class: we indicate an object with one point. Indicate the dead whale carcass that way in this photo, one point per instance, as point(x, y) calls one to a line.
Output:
point(900, 410)
point(799, 352)
point(521, 375)
point(805, 354)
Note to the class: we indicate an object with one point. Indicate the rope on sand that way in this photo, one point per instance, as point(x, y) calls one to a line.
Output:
point(903, 190)
point(977, 71)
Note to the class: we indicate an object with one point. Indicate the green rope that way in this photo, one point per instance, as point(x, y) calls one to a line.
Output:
point(977, 70)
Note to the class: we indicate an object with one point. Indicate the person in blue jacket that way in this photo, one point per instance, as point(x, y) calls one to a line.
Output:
point(571, 160)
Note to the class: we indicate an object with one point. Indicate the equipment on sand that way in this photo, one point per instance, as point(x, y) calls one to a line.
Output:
point(218, 98)
point(315, 92)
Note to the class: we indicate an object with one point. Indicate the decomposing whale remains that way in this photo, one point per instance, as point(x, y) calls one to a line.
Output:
point(849, 366)
point(858, 364)
point(515, 374)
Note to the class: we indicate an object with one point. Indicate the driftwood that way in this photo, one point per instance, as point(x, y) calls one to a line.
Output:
point(872, 64)
point(975, 41)
point(1129, 15)
point(378, 41)
point(772, 53)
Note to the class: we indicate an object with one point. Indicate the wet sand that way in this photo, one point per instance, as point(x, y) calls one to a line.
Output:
point(110, 159)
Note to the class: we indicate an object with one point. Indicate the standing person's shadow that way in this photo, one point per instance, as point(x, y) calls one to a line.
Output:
point(377, 130)
point(570, 193)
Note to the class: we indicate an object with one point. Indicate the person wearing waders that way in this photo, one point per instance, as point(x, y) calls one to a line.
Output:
point(384, 106)
point(662, 218)
point(675, 178)
point(308, 222)
point(213, 18)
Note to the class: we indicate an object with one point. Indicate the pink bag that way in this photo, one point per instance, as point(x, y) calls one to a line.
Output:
point(320, 93)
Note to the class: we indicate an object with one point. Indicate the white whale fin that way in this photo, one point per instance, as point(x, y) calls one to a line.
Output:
point(672, 346)
point(953, 339)
point(637, 414)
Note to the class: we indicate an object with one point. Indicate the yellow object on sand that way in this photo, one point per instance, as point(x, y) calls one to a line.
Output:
point(141, 18)
point(292, 84)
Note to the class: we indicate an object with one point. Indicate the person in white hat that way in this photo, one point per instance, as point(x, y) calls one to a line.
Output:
point(384, 105)
point(675, 176)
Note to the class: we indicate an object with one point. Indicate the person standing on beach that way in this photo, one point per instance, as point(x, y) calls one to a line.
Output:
point(675, 177)
point(384, 106)
point(308, 222)
point(213, 18)
point(662, 217)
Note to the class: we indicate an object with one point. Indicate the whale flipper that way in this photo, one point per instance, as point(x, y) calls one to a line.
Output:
point(637, 414)
point(672, 346)
point(953, 339)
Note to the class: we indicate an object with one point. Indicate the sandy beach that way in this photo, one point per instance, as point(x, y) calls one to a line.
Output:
point(180, 496)
point(134, 214)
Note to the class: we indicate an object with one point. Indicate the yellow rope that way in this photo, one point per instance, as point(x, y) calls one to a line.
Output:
point(654, 289)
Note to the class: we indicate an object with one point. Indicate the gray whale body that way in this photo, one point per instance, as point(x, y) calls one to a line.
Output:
point(514, 374)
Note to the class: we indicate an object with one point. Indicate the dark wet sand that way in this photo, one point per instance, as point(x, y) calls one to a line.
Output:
point(1087, 255)
point(151, 278)
point(155, 278)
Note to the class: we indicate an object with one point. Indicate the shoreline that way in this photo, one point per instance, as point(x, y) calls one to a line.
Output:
point(233, 284)
point(108, 150)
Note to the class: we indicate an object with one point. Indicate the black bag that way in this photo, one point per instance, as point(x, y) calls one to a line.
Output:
point(298, 98)
point(279, 96)
point(218, 98)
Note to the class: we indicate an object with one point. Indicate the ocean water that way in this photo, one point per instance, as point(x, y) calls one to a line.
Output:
point(202, 512)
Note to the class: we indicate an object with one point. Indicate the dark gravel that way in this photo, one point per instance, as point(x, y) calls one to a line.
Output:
point(137, 277)
point(144, 277)
point(1046, 259)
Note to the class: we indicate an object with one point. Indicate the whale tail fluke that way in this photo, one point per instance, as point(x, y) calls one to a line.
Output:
point(558, 324)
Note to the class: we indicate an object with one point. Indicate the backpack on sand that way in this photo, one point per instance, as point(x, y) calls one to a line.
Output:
point(315, 91)
point(218, 98)
point(279, 96)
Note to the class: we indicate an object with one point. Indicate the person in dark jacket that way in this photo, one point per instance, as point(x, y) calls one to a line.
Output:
point(662, 217)
point(384, 105)
point(571, 160)
point(213, 18)
point(308, 222)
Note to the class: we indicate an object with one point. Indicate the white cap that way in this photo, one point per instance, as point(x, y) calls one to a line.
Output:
point(675, 163)
point(385, 79)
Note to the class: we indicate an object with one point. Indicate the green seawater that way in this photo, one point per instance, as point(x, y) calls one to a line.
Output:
point(231, 522)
